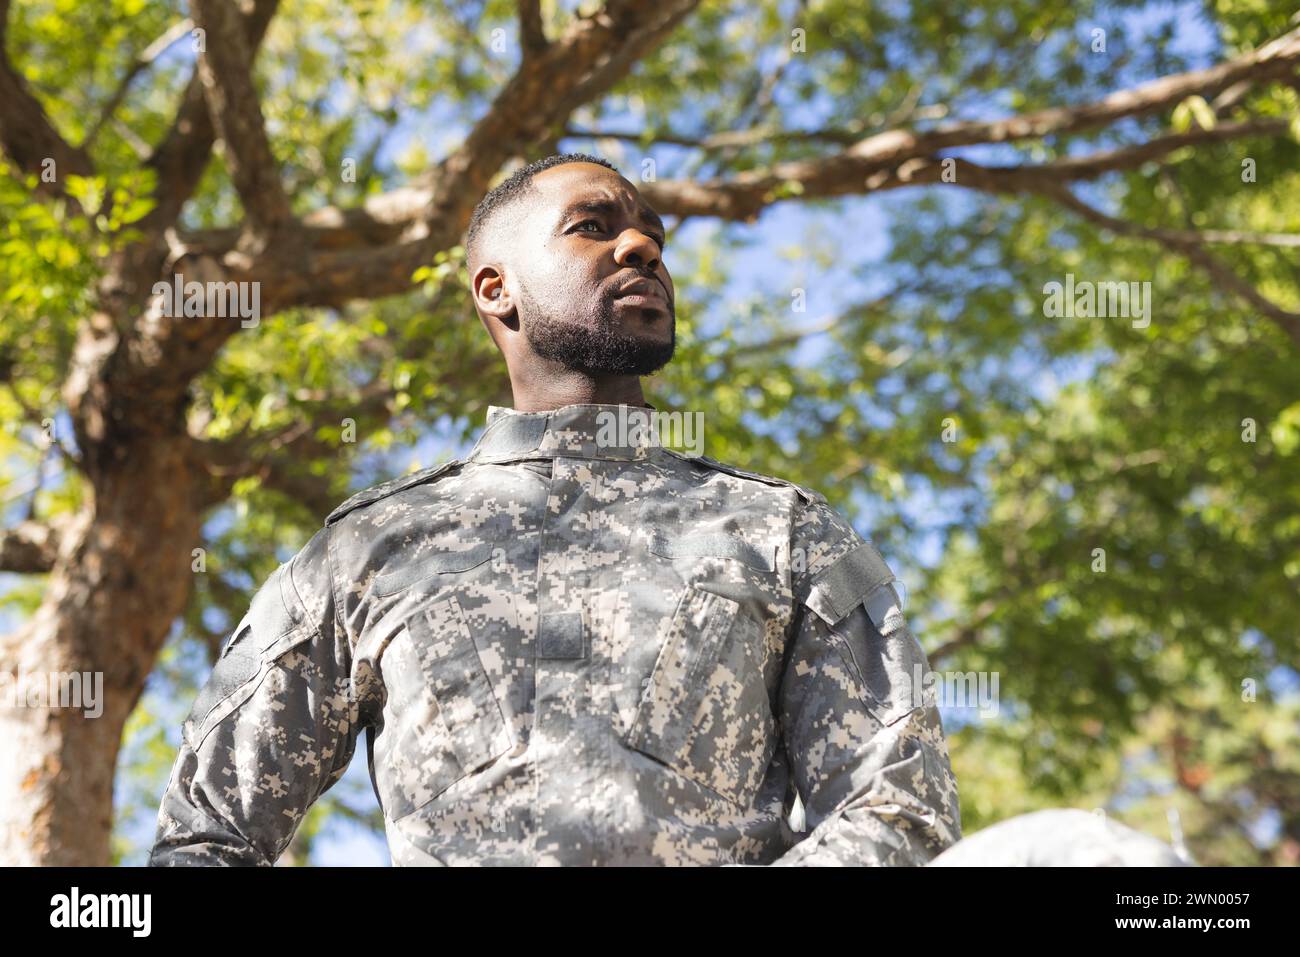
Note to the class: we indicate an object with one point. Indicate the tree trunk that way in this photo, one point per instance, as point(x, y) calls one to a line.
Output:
point(121, 579)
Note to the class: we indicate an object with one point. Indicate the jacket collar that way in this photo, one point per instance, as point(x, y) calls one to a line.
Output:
point(594, 430)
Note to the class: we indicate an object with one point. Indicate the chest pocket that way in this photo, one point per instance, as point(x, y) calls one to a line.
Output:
point(705, 710)
point(686, 528)
point(441, 716)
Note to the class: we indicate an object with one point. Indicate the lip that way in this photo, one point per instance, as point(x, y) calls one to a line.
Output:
point(643, 290)
point(649, 302)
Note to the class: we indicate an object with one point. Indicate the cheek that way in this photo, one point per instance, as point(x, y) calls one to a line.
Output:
point(578, 282)
point(561, 272)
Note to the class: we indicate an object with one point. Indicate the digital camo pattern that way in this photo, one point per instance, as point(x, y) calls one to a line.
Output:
point(572, 648)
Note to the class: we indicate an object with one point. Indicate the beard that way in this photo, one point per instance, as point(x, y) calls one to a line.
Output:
point(601, 351)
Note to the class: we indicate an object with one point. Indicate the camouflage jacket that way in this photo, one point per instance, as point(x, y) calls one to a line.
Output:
point(574, 646)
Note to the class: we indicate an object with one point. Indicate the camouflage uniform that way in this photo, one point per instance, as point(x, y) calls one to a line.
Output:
point(574, 646)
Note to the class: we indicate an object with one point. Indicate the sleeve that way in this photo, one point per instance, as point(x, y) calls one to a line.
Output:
point(274, 727)
point(865, 744)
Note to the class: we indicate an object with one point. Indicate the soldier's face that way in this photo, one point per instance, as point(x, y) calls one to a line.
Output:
point(588, 234)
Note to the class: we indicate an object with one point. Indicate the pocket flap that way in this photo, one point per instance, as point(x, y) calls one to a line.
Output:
point(713, 545)
point(417, 570)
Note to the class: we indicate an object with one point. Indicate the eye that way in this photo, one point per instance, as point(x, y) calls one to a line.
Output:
point(589, 222)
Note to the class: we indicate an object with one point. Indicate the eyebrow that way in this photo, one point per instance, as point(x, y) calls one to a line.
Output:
point(607, 207)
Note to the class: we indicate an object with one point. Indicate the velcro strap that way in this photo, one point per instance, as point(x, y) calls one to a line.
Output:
point(839, 589)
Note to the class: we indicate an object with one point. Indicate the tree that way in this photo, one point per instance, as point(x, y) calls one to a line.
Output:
point(170, 455)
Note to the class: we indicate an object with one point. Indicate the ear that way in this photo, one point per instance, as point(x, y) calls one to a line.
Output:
point(491, 297)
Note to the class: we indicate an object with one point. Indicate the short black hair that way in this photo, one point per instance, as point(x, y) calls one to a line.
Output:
point(512, 189)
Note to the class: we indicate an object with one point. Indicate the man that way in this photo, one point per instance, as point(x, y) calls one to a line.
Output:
point(574, 646)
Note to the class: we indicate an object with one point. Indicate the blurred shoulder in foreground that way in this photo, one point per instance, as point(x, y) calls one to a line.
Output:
point(1059, 837)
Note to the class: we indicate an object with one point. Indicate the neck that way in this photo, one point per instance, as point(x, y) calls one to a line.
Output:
point(574, 388)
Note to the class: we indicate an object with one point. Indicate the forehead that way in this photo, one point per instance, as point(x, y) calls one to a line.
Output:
point(561, 187)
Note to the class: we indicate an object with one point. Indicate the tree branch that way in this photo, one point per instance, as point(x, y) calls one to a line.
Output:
point(1274, 59)
point(531, 35)
point(182, 155)
point(26, 133)
point(885, 154)
point(744, 196)
point(725, 139)
point(966, 634)
point(127, 364)
point(1191, 245)
point(225, 69)
point(883, 160)
point(275, 457)
point(142, 63)
point(30, 548)
point(371, 251)
point(595, 52)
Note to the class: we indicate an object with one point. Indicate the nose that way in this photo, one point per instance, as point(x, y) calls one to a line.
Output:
point(638, 250)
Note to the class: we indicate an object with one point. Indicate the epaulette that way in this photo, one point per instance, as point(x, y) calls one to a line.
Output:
point(392, 486)
point(809, 495)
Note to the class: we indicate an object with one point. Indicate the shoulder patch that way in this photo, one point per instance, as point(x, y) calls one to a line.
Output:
point(855, 578)
point(392, 486)
point(809, 495)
